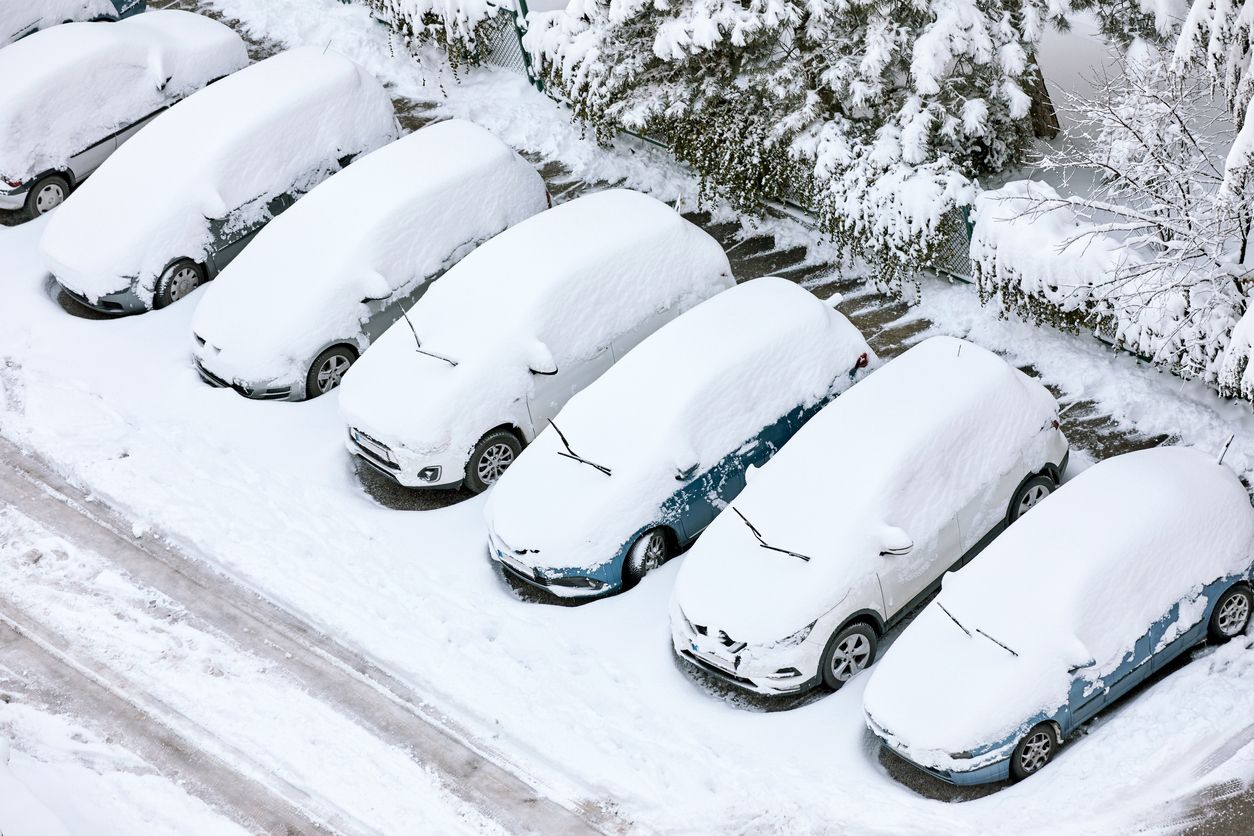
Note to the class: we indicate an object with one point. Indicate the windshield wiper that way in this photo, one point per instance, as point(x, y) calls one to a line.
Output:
point(571, 454)
point(762, 541)
point(994, 641)
point(954, 620)
point(418, 342)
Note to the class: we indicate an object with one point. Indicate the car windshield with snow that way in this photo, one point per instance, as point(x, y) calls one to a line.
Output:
point(174, 205)
point(73, 94)
point(20, 18)
point(1125, 568)
point(855, 520)
point(451, 393)
point(640, 462)
point(296, 309)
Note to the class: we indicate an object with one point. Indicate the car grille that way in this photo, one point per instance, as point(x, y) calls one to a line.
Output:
point(373, 450)
point(209, 377)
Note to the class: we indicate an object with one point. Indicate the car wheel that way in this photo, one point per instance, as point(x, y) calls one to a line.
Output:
point(1030, 493)
point(849, 653)
point(178, 280)
point(47, 194)
point(328, 370)
point(1231, 615)
point(1036, 749)
point(491, 457)
point(648, 552)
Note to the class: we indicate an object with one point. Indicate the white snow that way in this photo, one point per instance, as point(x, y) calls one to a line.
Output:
point(1100, 560)
point(705, 384)
point(568, 280)
point(276, 126)
point(382, 227)
point(18, 17)
point(907, 447)
point(71, 86)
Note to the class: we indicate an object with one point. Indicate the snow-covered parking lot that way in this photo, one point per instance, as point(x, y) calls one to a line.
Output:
point(587, 703)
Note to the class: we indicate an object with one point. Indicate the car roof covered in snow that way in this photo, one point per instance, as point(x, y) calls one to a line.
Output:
point(691, 393)
point(387, 222)
point(1078, 579)
point(566, 281)
point(907, 447)
point(278, 124)
point(18, 17)
point(70, 86)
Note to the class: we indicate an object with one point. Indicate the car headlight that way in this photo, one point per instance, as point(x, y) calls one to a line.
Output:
point(797, 637)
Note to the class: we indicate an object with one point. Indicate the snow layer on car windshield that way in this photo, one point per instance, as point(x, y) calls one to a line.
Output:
point(382, 225)
point(907, 447)
point(1079, 578)
point(569, 280)
point(688, 395)
point(255, 134)
point(68, 87)
point(17, 17)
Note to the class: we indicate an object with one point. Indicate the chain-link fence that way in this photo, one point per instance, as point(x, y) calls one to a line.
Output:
point(953, 258)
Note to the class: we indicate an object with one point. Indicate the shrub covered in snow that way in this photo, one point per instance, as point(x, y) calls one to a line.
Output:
point(456, 26)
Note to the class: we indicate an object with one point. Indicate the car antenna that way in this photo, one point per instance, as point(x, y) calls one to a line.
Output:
point(1224, 451)
point(328, 46)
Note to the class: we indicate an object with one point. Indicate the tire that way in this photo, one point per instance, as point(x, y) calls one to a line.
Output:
point(1036, 749)
point(328, 369)
point(48, 192)
point(650, 551)
point(1231, 615)
point(491, 457)
point(178, 280)
point(1029, 494)
point(848, 653)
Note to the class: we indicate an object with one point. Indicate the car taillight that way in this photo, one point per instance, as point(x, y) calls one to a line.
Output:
point(13, 184)
point(862, 361)
point(1057, 425)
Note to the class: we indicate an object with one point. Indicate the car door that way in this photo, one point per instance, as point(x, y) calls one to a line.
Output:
point(231, 235)
point(127, 133)
point(550, 392)
point(983, 516)
point(906, 579)
point(624, 343)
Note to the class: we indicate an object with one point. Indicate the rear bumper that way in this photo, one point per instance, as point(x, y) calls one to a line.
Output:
point(13, 199)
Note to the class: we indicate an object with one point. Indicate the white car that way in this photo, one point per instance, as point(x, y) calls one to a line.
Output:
point(849, 527)
point(1131, 564)
point(20, 18)
point(174, 205)
point(296, 309)
point(73, 94)
point(449, 395)
point(608, 493)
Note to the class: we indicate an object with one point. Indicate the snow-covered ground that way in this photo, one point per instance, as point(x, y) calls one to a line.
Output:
point(587, 701)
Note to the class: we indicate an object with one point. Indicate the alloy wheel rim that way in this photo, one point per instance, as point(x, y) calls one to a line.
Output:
point(650, 552)
point(183, 282)
point(1030, 499)
point(1234, 615)
point(851, 656)
point(493, 462)
point(332, 372)
point(1036, 751)
point(50, 197)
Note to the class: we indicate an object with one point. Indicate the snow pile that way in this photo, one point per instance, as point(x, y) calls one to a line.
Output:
point(17, 17)
point(1033, 254)
point(907, 447)
point(280, 125)
point(713, 379)
point(21, 813)
point(381, 227)
point(70, 86)
point(568, 280)
point(1100, 561)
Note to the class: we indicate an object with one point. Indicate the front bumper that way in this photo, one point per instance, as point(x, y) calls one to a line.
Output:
point(118, 303)
point(269, 392)
point(399, 465)
point(563, 584)
point(765, 671)
point(987, 767)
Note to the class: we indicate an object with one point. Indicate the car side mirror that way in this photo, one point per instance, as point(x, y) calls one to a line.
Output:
point(750, 472)
point(540, 359)
point(374, 288)
point(895, 542)
point(683, 474)
point(1089, 664)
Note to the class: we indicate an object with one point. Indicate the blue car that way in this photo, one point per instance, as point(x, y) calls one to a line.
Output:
point(1110, 579)
point(19, 18)
point(635, 466)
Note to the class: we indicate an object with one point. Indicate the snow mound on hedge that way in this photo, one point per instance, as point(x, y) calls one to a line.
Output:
point(281, 122)
point(568, 279)
point(1080, 578)
point(385, 224)
point(691, 393)
point(906, 447)
point(68, 87)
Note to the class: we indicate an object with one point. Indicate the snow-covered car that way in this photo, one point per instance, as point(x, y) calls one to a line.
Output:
point(1129, 565)
point(73, 94)
point(449, 395)
point(852, 524)
point(289, 317)
point(609, 492)
point(176, 203)
point(19, 18)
